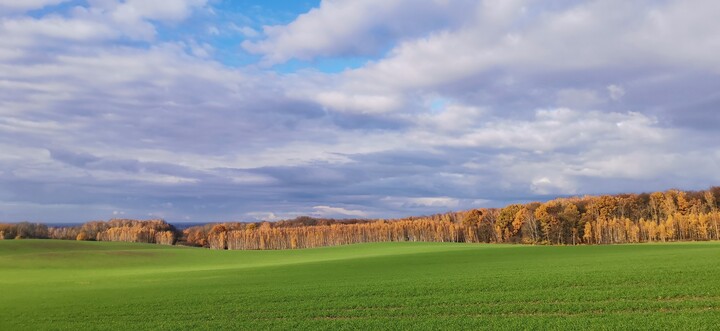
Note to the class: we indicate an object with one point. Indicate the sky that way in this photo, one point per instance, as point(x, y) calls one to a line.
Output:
point(209, 110)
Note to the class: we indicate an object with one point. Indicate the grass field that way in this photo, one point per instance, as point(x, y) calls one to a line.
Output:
point(100, 285)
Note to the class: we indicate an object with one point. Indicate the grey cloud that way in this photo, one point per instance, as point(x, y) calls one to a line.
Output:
point(495, 110)
point(368, 122)
point(71, 158)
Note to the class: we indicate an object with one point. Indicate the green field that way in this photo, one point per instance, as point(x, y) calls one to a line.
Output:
point(100, 285)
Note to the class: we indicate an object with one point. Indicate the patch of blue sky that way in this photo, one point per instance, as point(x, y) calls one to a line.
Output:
point(226, 24)
point(60, 9)
point(224, 36)
point(235, 57)
point(438, 104)
point(219, 16)
point(326, 65)
point(257, 13)
point(334, 64)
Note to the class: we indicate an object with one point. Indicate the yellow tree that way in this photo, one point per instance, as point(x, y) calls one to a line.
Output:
point(710, 201)
point(505, 220)
point(657, 201)
point(588, 233)
point(548, 217)
point(526, 222)
point(570, 216)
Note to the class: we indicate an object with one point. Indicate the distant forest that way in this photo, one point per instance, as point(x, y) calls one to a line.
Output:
point(672, 215)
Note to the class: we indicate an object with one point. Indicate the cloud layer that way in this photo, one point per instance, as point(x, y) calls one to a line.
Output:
point(125, 108)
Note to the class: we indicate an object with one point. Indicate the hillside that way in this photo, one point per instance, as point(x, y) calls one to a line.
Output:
point(101, 285)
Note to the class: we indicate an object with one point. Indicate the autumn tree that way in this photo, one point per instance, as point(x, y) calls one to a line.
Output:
point(505, 220)
point(570, 218)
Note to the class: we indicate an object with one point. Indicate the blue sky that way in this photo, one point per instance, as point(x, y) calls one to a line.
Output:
point(197, 110)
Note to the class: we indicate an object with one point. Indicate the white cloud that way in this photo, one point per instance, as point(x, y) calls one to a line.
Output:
point(342, 27)
point(201, 50)
point(134, 17)
point(558, 185)
point(246, 31)
point(553, 129)
point(101, 20)
point(410, 202)
point(358, 103)
point(57, 28)
point(327, 211)
point(267, 216)
point(25, 5)
point(132, 11)
point(528, 41)
point(452, 117)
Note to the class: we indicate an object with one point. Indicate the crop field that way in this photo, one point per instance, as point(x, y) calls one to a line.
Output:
point(103, 285)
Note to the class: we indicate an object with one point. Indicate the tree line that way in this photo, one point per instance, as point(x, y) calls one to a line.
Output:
point(672, 215)
point(149, 231)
